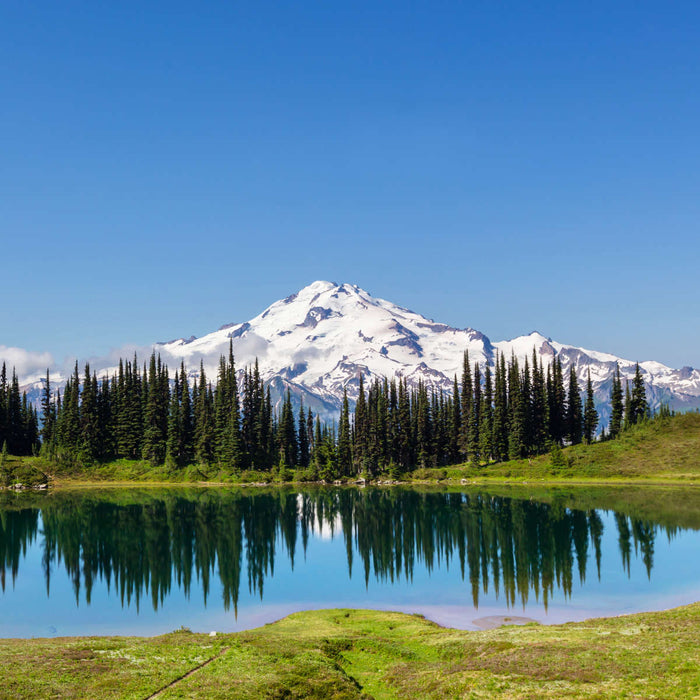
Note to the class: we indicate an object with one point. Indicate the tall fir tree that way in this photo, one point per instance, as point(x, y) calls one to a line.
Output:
point(616, 405)
point(639, 407)
point(574, 415)
point(590, 415)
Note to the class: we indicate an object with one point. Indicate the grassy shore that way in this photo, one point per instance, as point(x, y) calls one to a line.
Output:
point(664, 450)
point(370, 654)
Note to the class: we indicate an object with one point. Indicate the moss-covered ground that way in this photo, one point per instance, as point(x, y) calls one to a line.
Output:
point(370, 654)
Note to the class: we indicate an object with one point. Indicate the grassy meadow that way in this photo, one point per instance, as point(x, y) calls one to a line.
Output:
point(370, 654)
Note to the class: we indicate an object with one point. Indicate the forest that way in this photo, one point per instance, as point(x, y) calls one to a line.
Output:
point(142, 413)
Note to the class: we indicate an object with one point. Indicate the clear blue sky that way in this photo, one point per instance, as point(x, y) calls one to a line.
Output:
point(167, 167)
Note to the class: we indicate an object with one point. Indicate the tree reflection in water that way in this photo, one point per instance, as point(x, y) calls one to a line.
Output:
point(144, 542)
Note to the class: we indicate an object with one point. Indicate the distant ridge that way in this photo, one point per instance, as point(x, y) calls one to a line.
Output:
point(318, 341)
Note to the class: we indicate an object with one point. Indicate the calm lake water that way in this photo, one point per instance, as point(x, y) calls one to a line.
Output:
point(147, 561)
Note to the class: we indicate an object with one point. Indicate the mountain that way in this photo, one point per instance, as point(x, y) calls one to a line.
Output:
point(321, 339)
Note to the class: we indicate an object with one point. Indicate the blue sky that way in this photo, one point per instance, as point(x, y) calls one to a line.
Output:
point(168, 167)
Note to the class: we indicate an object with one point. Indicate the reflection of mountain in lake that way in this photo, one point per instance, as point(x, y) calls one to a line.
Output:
point(144, 543)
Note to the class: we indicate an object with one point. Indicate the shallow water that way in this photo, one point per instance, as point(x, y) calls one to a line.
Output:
point(147, 561)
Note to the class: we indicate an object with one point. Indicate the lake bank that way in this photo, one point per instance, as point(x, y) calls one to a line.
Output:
point(662, 451)
point(344, 653)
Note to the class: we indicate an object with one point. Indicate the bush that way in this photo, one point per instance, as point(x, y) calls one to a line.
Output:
point(557, 458)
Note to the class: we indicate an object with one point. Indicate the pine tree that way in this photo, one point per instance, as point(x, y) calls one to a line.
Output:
point(466, 407)
point(89, 430)
point(500, 411)
point(475, 419)
point(302, 439)
point(574, 415)
point(359, 442)
point(629, 414)
point(344, 438)
point(486, 428)
point(538, 408)
point(173, 456)
point(48, 414)
point(204, 435)
point(590, 415)
point(288, 447)
point(155, 416)
point(616, 405)
point(638, 405)
point(517, 447)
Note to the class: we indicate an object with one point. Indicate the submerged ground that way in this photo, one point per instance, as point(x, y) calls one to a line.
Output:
point(370, 654)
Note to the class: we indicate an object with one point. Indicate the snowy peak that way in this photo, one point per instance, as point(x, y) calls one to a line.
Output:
point(318, 342)
point(322, 338)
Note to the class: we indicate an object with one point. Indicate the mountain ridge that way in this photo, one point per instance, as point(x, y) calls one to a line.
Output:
point(317, 342)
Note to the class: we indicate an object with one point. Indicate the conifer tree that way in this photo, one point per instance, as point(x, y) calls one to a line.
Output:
point(616, 405)
point(89, 431)
point(344, 438)
point(466, 406)
point(486, 428)
point(538, 408)
point(303, 438)
point(48, 413)
point(590, 415)
point(574, 416)
point(475, 420)
point(629, 414)
point(172, 449)
point(359, 442)
point(204, 434)
point(455, 424)
point(500, 411)
point(517, 446)
point(639, 407)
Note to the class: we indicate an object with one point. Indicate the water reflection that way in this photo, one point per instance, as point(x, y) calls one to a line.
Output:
point(141, 543)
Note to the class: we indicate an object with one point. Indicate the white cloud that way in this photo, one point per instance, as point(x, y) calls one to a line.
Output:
point(27, 362)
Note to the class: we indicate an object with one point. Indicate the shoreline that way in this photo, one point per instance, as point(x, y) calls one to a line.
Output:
point(56, 484)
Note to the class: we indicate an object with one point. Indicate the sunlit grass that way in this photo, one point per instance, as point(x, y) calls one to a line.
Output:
point(363, 654)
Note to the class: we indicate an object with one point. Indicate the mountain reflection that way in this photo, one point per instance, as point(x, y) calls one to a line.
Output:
point(142, 543)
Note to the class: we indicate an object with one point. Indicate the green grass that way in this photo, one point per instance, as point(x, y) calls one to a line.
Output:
point(370, 654)
point(661, 450)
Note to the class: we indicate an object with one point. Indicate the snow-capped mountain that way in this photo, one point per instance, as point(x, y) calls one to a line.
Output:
point(319, 341)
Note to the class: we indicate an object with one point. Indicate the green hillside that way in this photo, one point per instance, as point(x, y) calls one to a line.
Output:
point(663, 449)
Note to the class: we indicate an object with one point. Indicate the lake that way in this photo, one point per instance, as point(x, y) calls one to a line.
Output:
point(146, 560)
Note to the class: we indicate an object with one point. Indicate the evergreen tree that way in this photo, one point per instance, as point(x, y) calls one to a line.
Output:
point(517, 445)
point(639, 408)
point(486, 428)
point(590, 415)
point(204, 429)
point(48, 414)
point(616, 405)
point(466, 407)
point(475, 420)
point(629, 414)
point(538, 408)
point(344, 439)
point(303, 438)
point(574, 416)
point(500, 411)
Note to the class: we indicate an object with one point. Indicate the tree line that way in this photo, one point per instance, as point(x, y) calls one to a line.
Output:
point(140, 413)
point(19, 421)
